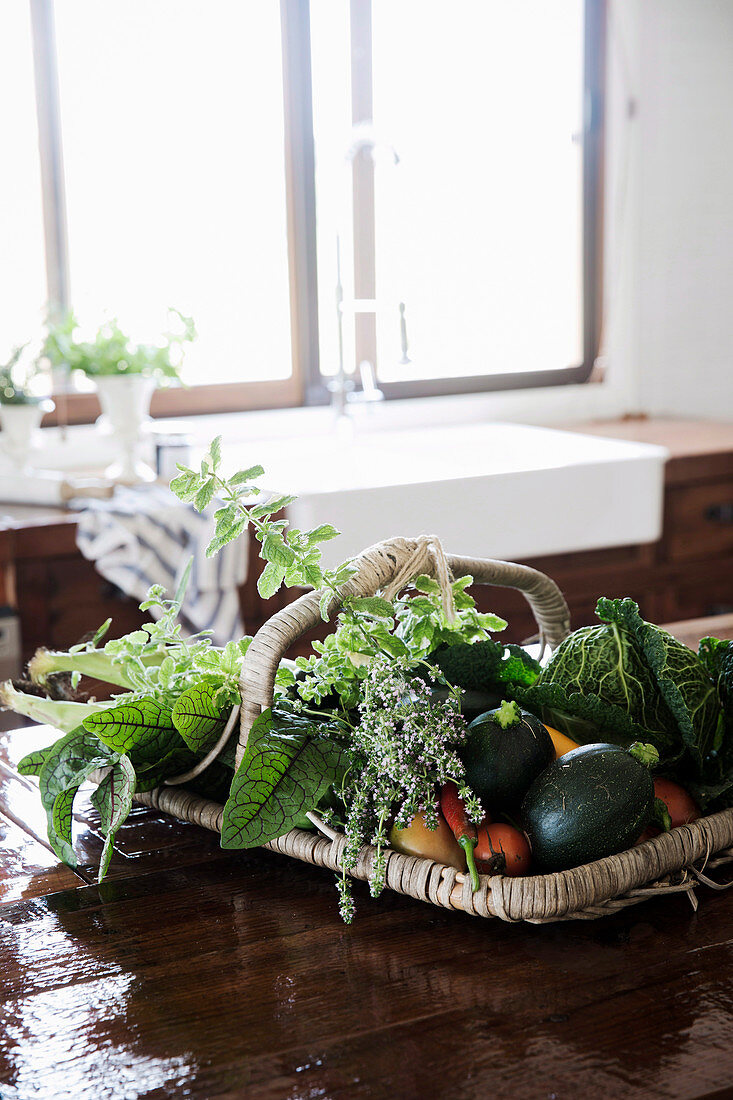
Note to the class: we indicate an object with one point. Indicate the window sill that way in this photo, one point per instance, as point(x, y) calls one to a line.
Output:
point(84, 447)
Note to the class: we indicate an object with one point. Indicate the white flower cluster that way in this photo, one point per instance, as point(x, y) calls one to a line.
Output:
point(403, 751)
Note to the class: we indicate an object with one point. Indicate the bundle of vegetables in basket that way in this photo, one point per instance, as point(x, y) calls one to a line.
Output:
point(408, 707)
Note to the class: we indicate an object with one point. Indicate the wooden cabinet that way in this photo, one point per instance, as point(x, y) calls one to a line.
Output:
point(699, 521)
point(60, 597)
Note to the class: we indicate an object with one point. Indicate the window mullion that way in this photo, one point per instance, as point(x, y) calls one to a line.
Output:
point(51, 154)
point(300, 189)
point(365, 330)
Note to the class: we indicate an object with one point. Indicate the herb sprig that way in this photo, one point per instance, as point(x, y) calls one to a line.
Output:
point(402, 752)
point(293, 557)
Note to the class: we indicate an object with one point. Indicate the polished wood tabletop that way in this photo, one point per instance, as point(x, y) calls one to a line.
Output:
point(193, 972)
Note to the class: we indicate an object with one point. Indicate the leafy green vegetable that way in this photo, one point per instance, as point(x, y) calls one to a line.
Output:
point(152, 772)
point(32, 762)
point(68, 763)
point(583, 716)
point(155, 663)
point(63, 715)
point(712, 787)
point(86, 662)
point(485, 665)
point(628, 679)
point(201, 713)
point(132, 726)
point(288, 766)
point(717, 658)
point(680, 676)
point(113, 802)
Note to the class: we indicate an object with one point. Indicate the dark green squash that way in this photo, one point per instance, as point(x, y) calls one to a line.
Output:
point(590, 803)
point(506, 749)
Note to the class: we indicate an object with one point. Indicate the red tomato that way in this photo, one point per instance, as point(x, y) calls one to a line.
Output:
point(682, 807)
point(502, 850)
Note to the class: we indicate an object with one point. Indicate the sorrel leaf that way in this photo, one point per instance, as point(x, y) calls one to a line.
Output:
point(60, 821)
point(32, 762)
point(288, 766)
point(200, 715)
point(175, 762)
point(133, 725)
point(113, 802)
point(68, 763)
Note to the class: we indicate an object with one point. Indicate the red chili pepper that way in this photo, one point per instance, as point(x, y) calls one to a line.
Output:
point(464, 830)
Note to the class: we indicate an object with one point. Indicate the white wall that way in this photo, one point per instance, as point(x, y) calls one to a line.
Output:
point(669, 256)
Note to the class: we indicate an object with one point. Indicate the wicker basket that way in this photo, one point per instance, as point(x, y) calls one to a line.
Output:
point(662, 866)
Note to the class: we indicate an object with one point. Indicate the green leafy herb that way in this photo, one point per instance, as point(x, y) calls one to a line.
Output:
point(293, 557)
point(113, 802)
point(422, 623)
point(288, 766)
point(402, 751)
point(201, 713)
point(112, 352)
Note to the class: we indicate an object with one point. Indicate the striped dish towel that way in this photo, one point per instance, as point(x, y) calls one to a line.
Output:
point(142, 537)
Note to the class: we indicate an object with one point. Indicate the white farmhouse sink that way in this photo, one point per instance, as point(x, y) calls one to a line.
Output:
point(494, 490)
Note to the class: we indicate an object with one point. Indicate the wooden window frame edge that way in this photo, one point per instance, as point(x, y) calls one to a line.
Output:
point(226, 397)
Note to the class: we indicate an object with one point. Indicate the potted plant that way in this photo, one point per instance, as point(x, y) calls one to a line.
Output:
point(125, 375)
point(21, 409)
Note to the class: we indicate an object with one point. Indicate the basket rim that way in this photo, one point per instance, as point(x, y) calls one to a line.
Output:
point(590, 890)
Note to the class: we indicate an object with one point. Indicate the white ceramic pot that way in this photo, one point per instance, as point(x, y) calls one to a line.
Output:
point(20, 424)
point(125, 401)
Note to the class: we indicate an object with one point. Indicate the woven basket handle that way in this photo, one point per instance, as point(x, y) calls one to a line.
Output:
point(376, 567)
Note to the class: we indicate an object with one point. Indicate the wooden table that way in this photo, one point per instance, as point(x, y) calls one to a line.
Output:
point(192, 972)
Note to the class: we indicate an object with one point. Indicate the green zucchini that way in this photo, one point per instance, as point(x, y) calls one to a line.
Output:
point(592, 802)
point(506, 749)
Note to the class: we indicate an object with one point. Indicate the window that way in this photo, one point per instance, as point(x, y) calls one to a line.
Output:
point(475, 190)
point(438, 162)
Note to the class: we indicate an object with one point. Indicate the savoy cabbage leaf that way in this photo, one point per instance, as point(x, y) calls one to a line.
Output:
point(682, 679)
point(713, 787)
point(627, 679)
